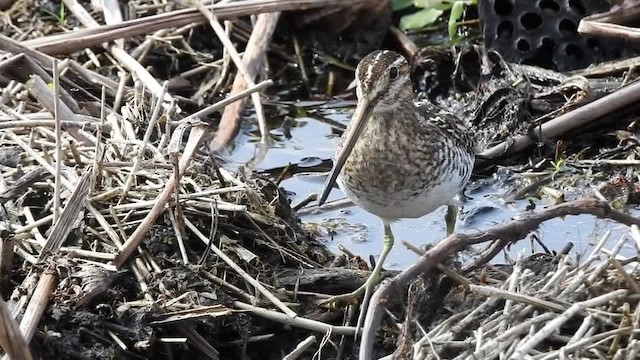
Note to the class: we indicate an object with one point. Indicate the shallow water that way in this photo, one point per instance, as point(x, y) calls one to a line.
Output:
point(306, 140)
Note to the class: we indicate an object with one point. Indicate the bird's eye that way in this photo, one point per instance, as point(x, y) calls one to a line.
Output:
point(393, 73)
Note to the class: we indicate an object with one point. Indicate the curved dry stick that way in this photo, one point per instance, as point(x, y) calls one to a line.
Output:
point(255, 50)
point(511, 232)
point(602, 29)
point(618, 14)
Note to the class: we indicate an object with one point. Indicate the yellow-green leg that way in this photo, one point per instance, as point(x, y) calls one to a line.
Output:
point(387, 244)
point(450, 218)
point(372, 281)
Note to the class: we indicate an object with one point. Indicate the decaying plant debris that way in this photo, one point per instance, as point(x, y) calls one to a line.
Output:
point(546, 289)
point(141, 243)
point(552, 305)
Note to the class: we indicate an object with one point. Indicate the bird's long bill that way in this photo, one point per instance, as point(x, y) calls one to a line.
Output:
point(363, 110)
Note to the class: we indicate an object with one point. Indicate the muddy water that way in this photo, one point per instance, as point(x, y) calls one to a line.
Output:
point(306, 140)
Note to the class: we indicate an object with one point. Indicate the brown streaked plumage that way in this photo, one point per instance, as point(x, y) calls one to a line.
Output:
point(397, 159)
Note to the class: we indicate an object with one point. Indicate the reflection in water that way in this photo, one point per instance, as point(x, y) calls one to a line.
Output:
point(483, 208)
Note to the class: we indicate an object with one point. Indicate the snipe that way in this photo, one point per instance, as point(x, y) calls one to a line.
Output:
point(397, 159)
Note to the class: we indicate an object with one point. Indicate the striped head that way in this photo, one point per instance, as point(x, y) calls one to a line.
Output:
point(383, 83)
point(383, 79)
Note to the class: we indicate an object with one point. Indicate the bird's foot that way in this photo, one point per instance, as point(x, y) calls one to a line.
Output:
point(367, 288)
point(352, 298)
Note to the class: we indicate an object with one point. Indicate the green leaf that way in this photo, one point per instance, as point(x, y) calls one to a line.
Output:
point(433, 4)
point(456, 14)
point(61, 17)
point(444, 6)
point(419, 19)
point(400, 4)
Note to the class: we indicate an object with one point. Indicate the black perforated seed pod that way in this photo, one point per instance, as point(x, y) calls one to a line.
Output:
point(544, 32)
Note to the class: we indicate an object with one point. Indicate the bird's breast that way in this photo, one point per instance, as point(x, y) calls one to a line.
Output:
point(403, 175)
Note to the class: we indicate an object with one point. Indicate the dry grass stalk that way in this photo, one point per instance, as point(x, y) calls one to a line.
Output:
point(28, 56)
point(63, 226)
point(300, 348)
point(120, 54)
point(247, 67)
point(544, 312)
point(297, 322)
point(41, 91)
point(37, 304)
point(122, 161)
point(256, 47)
point(79, 39)
point(58, 128)
point(11, 339)
point(569, 282)
point(259, 287)
point(195, 137)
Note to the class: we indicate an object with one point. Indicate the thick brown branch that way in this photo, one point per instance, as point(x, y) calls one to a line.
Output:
point(511, 232)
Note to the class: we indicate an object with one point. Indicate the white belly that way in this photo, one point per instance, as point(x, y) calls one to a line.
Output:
point(402, 205)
